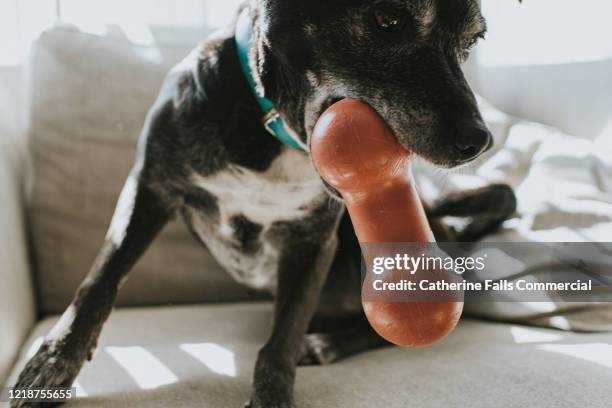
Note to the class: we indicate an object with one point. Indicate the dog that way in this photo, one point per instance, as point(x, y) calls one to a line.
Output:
point(259, 205)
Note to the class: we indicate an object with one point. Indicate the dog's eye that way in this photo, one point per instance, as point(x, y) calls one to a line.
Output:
point(387, 19)
point(471, 42)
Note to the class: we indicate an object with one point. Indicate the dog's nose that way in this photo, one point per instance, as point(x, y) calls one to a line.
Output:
point(472, 141)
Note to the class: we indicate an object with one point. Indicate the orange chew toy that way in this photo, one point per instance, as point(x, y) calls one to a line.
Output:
point(356, 153)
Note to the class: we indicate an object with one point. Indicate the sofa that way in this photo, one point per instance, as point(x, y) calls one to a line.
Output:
point(183, 333)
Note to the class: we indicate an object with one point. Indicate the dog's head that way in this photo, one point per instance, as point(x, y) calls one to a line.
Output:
point(402, 57)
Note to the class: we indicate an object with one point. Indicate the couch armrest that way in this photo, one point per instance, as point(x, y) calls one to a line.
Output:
point(17, 305)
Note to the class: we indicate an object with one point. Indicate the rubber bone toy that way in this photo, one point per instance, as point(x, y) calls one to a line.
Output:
point(357, 154)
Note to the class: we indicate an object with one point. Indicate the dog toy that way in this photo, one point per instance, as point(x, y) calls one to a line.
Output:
point(357, 154)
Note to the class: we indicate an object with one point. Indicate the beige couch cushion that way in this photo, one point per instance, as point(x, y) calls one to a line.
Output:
point(202, 356)
point(17, 311)
point(89, 98)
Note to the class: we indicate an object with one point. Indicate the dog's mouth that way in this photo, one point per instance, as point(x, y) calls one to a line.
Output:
point(440, 154)
point(319, 108)
point(327, 103)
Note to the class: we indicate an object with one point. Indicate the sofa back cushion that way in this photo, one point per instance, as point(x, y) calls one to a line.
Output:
point(575, 97)
point(89, 97)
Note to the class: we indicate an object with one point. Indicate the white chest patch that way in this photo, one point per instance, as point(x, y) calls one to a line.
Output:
point(288, 190)
point(285, 191)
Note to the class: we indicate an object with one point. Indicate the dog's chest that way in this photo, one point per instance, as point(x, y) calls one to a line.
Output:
point(249, 205)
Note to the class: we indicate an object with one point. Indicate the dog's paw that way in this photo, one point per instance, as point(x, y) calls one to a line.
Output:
point(269, 404)
point(48, 368)
point(319, 349)
point(272, 385)
point(271, 396)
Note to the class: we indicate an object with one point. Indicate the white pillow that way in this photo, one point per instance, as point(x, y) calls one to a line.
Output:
point(564, 190)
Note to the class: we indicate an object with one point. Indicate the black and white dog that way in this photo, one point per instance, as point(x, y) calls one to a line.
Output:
point(259, 205)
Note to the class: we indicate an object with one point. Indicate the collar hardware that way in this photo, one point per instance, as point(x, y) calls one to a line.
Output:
point(269, 119)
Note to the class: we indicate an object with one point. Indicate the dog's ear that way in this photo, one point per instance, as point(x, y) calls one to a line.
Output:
point(264, 60)
point(264, 68)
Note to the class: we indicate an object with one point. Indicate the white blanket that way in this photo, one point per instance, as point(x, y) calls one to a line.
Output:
point(564, 190)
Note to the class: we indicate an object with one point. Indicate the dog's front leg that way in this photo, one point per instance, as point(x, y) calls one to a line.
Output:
point(140, 214)
point(302, 273)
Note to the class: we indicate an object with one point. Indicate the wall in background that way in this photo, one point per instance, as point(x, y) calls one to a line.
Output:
point(21, 21)
point(535, 32)
point(541, 32)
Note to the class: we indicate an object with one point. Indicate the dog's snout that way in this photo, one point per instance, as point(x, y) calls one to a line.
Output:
point(471, 141)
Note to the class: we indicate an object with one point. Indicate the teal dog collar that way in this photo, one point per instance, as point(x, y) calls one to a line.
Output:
point(272, 120)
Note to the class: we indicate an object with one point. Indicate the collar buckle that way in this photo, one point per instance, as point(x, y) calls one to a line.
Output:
point(269, 118)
